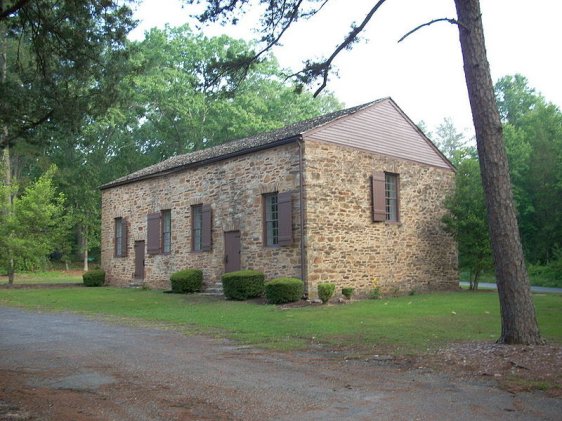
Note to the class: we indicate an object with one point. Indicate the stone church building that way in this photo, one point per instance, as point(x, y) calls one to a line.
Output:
point(354, 197)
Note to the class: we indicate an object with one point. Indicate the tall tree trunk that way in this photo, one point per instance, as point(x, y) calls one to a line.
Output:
point(518, 319)
point(85, 246)
point(7, 176)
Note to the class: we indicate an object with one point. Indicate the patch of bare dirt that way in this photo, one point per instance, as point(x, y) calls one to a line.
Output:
point(517, 368)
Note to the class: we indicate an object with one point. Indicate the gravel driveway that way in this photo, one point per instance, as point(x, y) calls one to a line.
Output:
point(58, 366)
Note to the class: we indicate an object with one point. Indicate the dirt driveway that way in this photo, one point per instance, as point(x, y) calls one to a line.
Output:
point(65, 367)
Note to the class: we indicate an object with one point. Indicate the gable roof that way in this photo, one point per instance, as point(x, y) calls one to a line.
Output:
point(250, 144)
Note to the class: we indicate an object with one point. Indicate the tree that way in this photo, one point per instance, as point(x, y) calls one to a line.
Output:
point(448, 139)
point(533, 135)
point(466, 219)
point(34, 225)
point(519, 324)
point(54, 62)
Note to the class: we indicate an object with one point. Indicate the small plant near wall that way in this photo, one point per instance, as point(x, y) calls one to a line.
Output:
point(325, 291)
point(284, 290)
point(94, 278)
point(375, 292)
point(243, 284)
point(347, 292)
point(187, 281)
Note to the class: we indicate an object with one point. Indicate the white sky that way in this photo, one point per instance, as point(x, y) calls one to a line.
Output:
point(423, 74)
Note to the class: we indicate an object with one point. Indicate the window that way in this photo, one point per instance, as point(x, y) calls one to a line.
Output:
point(386, 197)
point(159, 232)
point(391, 196)
point(196, 225)
point(278, 219)
point(166, 231)
point(201, 235)
point(271, 220)
point(120, 238)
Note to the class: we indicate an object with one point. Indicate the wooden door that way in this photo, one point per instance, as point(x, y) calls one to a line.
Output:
point(231, 251)
point(139, 260)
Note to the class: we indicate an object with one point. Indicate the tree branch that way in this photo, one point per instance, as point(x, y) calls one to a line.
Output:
point(323, 68)
point(10, 10)
point(431, 22)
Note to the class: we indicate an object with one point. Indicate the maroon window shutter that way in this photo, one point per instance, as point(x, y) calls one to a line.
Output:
point(115, 237)
point(153, 235)
point(379, 202)
point(285, 212)
point(124, 238)
point(206, 228)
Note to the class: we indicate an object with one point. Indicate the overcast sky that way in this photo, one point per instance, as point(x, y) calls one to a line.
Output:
point(423, 74)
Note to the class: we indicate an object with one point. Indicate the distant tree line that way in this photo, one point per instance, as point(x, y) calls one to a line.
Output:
point(533, 135)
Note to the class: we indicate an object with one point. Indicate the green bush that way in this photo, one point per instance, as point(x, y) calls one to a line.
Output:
point(347, 292)
point(325, 291)
point(284, 290)
point(375, 293)
point(243, 284)
point(94, 278)
point(187, 281)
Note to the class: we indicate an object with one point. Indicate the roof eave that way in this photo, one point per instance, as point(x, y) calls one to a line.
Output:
point(203, 162)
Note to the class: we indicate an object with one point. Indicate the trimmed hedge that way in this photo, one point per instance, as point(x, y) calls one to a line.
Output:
point(94, 278)
point(243, 284)
point(325, 291)
point(284, 290)
point(187, 281)
point(347, 292)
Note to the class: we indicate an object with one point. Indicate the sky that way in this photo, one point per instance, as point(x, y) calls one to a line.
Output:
point(423, 74)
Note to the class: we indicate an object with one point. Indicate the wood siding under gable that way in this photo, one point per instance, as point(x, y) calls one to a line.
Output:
point(383, 129)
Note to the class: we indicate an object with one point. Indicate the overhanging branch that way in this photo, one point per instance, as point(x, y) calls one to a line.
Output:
point(431, 22)
point(13, 9)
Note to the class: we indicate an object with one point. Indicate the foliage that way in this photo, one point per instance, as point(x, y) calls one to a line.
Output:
point(347, 292)
point(448, 139)
point(396, 325)
point(32, 225)
point(187, 281)
point(549, 275)
point(326, 291)
point(284, 290)
point(466, 218)
point(533, 135)
point(375, 293)
point(94, 278)
point(57, 63)
point(243, 284)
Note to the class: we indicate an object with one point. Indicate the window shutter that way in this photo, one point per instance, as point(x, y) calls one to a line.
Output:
point(285, 209)
point(115, 238)
point(379, 203)
point(153, 234)
point(124, 238)
point(206, 228)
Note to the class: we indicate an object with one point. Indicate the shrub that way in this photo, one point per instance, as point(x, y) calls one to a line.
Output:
point(187, 281)
point(284, 290)
point(325, 291)
point(347, 292)
point(94, 278)
point(243, 284)
point(375, 293)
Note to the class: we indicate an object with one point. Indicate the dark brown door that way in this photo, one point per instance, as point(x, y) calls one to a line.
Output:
point(231, 251)
point(139, 260)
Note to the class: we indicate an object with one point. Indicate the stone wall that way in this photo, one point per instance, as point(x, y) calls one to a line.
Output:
point(344, 246)
point(234, 189)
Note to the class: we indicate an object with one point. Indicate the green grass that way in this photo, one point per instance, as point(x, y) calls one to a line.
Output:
point(47, 277)
point(402, 325)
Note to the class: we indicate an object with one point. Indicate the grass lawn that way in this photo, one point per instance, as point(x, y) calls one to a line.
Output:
point(401, 325)
point(47, 277)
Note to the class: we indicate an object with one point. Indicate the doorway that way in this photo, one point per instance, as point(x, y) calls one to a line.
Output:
point(139, 260)
point(231, 251)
